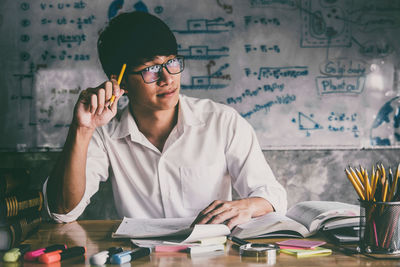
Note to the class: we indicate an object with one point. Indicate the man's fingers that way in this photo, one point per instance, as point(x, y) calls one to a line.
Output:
point(222, 216)
point(108, 86)
point(93, 104)
point(100, 100)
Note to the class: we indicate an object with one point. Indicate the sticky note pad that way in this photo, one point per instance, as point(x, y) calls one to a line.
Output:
point(301, 243)
point(303, 253)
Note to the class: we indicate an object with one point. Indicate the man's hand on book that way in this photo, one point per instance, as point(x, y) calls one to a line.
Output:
point(234, 212)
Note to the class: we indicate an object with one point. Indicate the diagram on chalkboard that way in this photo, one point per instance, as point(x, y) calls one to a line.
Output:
point(208, 81)
point(307, 123)
point(203, 52)
point(217, 25)
point(325, 23)
point(388, 117)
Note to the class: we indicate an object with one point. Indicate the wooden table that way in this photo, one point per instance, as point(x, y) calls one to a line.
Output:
point(96, 236)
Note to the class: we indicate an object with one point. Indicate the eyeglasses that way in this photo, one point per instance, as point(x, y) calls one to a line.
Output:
point(153, 73)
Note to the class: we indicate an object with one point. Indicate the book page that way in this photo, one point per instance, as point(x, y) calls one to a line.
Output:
point(268, 224)
point(313, 213)
point(144, 228)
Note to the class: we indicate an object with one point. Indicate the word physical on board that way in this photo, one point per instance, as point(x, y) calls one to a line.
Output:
point(307, 74)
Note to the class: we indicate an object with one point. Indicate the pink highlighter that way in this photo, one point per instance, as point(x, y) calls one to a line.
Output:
point(34, 254)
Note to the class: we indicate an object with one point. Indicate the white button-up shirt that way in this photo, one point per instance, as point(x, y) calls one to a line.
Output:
point(210, 150)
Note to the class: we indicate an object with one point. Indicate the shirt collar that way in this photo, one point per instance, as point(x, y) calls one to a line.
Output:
point(126, 124)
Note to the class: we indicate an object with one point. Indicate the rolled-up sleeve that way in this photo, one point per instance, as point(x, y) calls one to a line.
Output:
point(97, 165)
point(251, 174)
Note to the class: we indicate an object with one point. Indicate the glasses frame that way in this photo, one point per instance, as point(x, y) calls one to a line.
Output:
point(164, 65)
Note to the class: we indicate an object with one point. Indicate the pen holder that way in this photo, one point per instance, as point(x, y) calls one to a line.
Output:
point(380, 227)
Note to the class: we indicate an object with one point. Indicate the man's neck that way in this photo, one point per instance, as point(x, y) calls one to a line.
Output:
point(156, 125)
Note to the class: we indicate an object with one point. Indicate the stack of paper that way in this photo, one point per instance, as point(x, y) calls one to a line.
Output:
point(173, 234)
point(304, 248)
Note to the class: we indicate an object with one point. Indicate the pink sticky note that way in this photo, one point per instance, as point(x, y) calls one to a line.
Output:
point(301, 243)
point(170, 248)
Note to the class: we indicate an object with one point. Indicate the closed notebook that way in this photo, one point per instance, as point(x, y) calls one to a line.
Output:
point(304, 253)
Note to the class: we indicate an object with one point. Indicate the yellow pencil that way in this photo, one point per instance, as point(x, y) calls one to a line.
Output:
point(121, 74)
point(393, 188)
point(352, 181)
point(383, 172)
point(385, 189)
point(355, 177)
point(374, 180)
point(367, 186)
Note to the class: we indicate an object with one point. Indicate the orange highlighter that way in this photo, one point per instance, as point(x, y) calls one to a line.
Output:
point(60, 255)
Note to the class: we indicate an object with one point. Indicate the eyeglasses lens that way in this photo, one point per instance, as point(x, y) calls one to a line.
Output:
point(173, 66)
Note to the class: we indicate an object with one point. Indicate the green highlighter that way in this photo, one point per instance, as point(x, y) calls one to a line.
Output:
point(13, 254)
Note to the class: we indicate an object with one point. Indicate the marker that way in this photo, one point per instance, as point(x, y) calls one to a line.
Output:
point(56, 256)
point(34, 254)
point(121, 74)
point(238, 240)
point(13, 254)
point(130, 255)
point(103, 257)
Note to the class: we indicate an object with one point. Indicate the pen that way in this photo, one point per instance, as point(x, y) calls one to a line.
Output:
point(13, 254)
point(121, 74)
point(34, 254)
point(104, 256)
point(56, 256)
point(238, 240)
point(130, 255)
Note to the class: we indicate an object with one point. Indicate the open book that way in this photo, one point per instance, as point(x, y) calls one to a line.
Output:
point(302, 220)
point(176, 230)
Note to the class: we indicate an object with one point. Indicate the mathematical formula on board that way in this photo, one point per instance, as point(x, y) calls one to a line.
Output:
point(305, 74)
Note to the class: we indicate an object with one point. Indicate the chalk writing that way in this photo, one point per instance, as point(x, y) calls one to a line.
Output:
point(66, 39)
point(25, 6)
point(262, 48)
point(256, 20)
point(80, 22)
point(25, 23)
point(63, 55)
point(334, 116)
point(75, 5)
point(273, 3)
point(249, 93)
point(279, 100)
point(339, 84)
point(342, 122)
point(278, 72)
point(343, 67)
point(227, 8)
point(376, 49)
point(372, 22)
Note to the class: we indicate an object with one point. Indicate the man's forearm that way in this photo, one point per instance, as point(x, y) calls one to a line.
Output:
point(67, 182)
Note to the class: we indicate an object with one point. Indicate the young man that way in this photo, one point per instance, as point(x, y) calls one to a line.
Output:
point(167, 155)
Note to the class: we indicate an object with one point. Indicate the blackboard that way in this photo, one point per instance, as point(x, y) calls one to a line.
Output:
point(309, 74)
